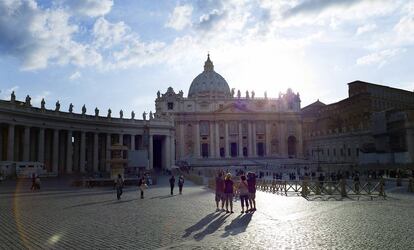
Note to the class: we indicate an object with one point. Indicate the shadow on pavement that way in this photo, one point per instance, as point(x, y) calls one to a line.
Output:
point(120, 201)
point(199, 225)
point(89, 204)
point(238, 225)
point(212, 227)
point(163, 196)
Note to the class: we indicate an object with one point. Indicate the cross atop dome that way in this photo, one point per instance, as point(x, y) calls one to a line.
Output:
point(208, 65)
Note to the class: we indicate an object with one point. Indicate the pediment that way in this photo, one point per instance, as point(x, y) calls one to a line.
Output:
point(233, 108)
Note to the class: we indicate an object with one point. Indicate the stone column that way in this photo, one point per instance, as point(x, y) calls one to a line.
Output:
point(300, 143)
point(95, 152)
point(226, 139)
point(1, 144)
point(217, 135)
point(10, 143)
point(268, 138)
point(240, 146)
point(211, 152)
point(172, 149)
point(121, 139)
point(55, 158)
point(197, 140)
point(150, 152)
point(133, 142)
point(69, 153)
point(167, 152)
point(82, 151)
point(254, 139)
point(410, 142)
point(283, 139)
point(26, 144)
point(41, 146)
point(249, 139)
point(182, 141)
point(108, 153)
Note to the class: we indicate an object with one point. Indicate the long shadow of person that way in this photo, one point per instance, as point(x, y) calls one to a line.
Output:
point(238, 225)
point(212, 227)
point(199, 225)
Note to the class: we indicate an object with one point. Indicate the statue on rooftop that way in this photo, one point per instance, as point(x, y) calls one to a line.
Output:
point(132, 115)
point(247, 94)
point(71, 108)
point(12, 96)
point(121, 114)
point(144, 116)
point(253, 94)
point(42, 104)
point(109, 113)
point(265, 94)
point(151, 116)
point(238, 94)
point(232, 92)
point(28, 99)
point(158, 94)
point(83, 109)
point(181, 93)
point(57, 108)
point(96, 111)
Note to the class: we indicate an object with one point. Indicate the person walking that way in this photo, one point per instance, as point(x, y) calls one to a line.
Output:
point(172, 183)
point(219, 191)
point(142, 186)
point(119, 185)
point(33, 187)
point(244, 193)
point(228, 193)
point(251, 183)
point(180, 184)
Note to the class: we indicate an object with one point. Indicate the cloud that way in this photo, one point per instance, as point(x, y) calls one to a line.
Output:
point(380, 58)
point(109, 34)
point(90, 8)
point(39, 37)
point(75, 75)
point(38, 98)
point(365, 28)
point(180, 18)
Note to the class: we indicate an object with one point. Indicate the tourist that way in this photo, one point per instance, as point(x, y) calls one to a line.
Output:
point(180, 184)
point(119, 185)
point(172, 183)
point(219, 191)
point(37, 182)
point(33, 187)
point(244, 193)
point(228, 192)
point(251, 183)
point(142, 186)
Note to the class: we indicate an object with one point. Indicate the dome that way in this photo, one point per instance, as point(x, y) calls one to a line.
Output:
point(209, 83)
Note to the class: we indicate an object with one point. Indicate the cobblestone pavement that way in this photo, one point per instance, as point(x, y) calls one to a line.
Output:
point(74, 218)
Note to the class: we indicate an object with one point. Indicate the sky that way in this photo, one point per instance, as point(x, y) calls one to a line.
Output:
point(118, 54)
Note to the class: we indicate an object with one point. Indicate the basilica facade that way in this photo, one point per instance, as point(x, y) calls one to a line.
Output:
point(217, 126)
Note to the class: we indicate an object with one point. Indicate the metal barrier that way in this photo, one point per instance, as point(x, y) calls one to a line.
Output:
point(307, 188)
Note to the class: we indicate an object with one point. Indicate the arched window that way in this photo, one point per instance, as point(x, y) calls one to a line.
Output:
point(292, 146)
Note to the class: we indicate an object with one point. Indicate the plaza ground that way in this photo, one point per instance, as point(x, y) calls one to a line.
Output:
point(62, 217)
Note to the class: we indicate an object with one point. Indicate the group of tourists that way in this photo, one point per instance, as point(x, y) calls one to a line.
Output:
point(226, 189)
point(180, 184)
point(142, 185)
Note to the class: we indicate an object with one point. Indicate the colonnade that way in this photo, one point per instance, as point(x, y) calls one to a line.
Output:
point(67, 151)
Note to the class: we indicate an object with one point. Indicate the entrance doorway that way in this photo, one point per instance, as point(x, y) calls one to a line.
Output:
point(157, 153)
point(260, 149)
point(292, 146)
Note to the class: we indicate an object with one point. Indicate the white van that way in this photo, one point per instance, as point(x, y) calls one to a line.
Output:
point(27, 169)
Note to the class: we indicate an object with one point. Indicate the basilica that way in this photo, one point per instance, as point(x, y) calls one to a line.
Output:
point(215, 125)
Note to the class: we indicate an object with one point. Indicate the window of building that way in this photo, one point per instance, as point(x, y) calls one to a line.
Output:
point(245, 151)
point(357, 152)
point(342, 152)
point(349, 152)
point(204, 150)
point(233, 149)
point(222, 152)
point(170, 105)
point(260, 149)
point(327, 151)
point(334, 151)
